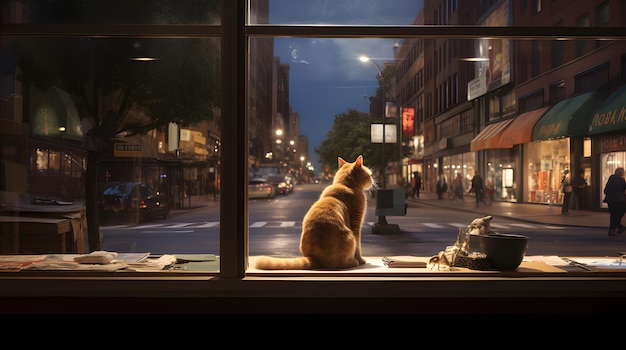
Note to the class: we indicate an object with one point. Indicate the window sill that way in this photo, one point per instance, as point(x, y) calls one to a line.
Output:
point(371, 289)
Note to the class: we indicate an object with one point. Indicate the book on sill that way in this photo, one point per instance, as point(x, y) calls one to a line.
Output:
point(404, 261)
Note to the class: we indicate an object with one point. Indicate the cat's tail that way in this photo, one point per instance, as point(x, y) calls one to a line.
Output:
point(271, 263)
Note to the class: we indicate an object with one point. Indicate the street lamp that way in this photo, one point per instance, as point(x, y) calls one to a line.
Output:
point(382, 226)
point(366, 59)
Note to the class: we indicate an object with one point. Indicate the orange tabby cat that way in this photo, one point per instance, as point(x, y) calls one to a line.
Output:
point(331, 229)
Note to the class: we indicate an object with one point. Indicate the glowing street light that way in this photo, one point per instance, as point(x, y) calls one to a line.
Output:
point(381, 225)
point(366, 59)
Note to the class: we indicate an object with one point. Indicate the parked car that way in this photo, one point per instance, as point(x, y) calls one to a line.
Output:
point(133, 201)
point(260, 188)
point(280, 183)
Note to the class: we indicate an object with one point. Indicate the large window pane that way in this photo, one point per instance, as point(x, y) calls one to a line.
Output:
point(307, 88)
point(123, 132)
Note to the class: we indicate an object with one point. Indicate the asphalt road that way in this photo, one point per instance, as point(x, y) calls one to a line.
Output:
point(428, 227)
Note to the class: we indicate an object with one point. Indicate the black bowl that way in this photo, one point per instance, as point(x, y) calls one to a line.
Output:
point(505, 251)
point(474, 245)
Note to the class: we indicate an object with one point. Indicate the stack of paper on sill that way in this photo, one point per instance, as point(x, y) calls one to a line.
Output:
point(404, 261)
point(95, 261)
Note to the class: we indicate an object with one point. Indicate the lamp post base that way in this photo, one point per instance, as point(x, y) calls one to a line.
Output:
point(383, 228)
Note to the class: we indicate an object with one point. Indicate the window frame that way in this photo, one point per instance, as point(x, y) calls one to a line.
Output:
point(179, 293)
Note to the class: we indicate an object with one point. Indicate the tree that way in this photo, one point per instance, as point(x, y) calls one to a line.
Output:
point(349, 137)
point(181, 86)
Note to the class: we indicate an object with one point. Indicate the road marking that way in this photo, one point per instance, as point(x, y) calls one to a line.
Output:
point(259, 224)
point(427, 224)
point(148, 226)
point(209, 224)
point(180, 225)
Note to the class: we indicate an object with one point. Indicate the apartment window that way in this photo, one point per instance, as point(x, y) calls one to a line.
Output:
point(508, 103)
point(451, 127)
point(494, 108)
point(592, 79)
point(467, 121)
point(536, 58)
point(558, 53)
point(582, 46)
point(557, 50)
point(531, 101)
point(557, 92)
point(602, 18)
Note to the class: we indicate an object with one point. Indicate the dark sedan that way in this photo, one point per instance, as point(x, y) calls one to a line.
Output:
point(132, 201)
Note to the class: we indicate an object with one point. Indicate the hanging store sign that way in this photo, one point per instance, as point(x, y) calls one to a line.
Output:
point(390, 133)
point(127, 150)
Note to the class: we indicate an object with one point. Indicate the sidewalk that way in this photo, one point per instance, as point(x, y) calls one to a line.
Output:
point(197, 201)
point(536, 213)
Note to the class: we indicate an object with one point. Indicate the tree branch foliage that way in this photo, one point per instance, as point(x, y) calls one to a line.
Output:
point(349, 137)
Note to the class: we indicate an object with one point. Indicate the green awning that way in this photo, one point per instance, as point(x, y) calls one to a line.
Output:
point(611, 115)
point(568, 118)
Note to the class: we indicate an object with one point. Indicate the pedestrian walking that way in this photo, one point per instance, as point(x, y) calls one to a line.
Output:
point(579, 184)
point(615, 197)
point(442, 186)
point(566, 188)
point(457, 187)
point(478, 187)
point(416, 182)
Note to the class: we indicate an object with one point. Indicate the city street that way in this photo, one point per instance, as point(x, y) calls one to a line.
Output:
point(429, 226)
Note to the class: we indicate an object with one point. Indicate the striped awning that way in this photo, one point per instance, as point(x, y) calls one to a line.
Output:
point(489, 137)
point(521, 129)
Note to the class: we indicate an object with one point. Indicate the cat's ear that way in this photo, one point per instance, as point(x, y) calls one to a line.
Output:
point(340, 161)
point(359, 161)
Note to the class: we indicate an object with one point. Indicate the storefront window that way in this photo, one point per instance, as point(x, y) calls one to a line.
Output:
point(609, 162)
point(502, 174)
point(546, 162)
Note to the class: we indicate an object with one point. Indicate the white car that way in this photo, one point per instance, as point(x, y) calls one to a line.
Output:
point(260, 188)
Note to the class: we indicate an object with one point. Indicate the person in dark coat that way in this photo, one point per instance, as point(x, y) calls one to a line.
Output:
point(416, 181)
point(615, 197)
point(442, 186)
point(478, 187)
point(565, 182)
point(579, 184)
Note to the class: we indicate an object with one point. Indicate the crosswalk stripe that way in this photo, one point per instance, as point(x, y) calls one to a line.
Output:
point(432, 225)
point(291, 224)
point(209, 224)
point(180, 225)
point(141, 227)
